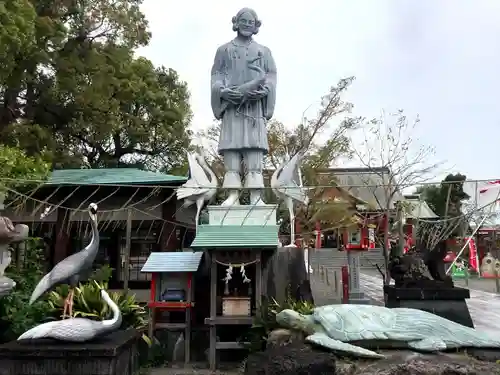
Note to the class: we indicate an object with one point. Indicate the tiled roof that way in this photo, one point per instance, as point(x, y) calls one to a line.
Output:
point(186, 261)
point(235, 236)
point(109, 176)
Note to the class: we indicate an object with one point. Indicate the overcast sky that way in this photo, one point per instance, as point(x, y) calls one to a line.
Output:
point(440, 59)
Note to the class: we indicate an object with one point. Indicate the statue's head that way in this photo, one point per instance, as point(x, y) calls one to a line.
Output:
point(246, 22)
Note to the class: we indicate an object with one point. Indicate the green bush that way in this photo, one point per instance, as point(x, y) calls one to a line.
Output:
point(87, 302)
point(16, 314)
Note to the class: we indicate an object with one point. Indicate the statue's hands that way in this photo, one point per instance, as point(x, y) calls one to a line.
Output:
point(231, 95)
point(257, 94)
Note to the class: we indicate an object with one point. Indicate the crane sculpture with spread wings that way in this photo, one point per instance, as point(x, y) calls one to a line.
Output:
point(287, 184)
point(201, 185)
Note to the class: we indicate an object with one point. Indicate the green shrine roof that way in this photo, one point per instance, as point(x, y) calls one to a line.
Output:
point(235, 236)
point(109, 176)
point(167, 261)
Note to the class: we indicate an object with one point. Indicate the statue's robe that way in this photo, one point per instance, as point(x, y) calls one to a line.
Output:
point(243, 126)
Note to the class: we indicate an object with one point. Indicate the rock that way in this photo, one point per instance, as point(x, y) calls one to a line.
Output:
point(486, 355)
point(293, 359)
point(410, 270)
point(283, 337)
point(406, 362)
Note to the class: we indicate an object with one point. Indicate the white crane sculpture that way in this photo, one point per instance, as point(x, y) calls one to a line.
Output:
point(286, 183)
point(73, 268)
point(77, 329)
point(201, 186)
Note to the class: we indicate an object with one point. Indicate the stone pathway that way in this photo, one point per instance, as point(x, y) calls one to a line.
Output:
point(185, 371)
point(484, 306)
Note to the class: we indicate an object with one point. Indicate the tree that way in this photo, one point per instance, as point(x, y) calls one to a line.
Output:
point(319, 156)
point(445, 199)
point(390, 152)
point(17, 168)
point(17, 33)
point(81, 97)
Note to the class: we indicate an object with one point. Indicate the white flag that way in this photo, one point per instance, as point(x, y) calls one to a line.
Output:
point(488, 193)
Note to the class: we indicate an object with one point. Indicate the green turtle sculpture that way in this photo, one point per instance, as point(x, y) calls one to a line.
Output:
point(343, 327)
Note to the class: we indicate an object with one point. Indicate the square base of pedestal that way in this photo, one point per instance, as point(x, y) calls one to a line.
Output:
point(113, 354)
point(243, 215)
point(449, 303)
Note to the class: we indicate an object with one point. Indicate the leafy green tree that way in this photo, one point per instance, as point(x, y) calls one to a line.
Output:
point(16, 168)
point(17, 33)
point(81, 97)
point(446, 201)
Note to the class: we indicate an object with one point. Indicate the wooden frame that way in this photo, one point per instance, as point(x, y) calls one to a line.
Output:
point(213, 321)
point(155, 305)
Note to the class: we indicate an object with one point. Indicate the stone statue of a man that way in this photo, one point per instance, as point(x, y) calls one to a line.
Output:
point(243, 95)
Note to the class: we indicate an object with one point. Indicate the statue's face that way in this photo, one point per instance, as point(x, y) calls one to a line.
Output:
point(246, 24)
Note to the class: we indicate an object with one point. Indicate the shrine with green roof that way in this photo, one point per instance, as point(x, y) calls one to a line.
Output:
point(238, 240)
point(137, 211)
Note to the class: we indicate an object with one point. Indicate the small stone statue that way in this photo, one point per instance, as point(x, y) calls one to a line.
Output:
point(412, 269)
point(488, 265)
point(434, 260)
point(407, 270)
point(243, 96)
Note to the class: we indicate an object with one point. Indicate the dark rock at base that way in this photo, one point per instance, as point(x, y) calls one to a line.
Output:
point(113, 354)
point(284, 337)
point(406, 362)
point(291, 360)
point(426, 368)
point(484, 354)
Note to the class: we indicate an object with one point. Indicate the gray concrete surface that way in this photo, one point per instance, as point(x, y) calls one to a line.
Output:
point(484, 306)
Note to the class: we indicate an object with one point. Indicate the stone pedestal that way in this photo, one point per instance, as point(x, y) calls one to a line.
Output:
point(236, 235)
point(6, 285)
point(113, 354)
point(448, 303)
point(243, 215)
point(356, 296)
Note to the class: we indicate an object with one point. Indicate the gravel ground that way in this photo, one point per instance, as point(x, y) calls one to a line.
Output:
point(192, 369)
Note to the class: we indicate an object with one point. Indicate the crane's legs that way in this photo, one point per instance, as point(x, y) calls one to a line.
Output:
point(199, 206)
point(68, 304)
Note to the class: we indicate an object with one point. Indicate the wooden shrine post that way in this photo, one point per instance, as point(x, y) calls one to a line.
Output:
point(172, 290)
point(236, 237)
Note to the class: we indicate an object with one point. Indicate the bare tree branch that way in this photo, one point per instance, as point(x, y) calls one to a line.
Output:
point(390, 151)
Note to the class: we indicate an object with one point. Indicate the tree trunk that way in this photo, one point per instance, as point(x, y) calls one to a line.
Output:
point(385, 250)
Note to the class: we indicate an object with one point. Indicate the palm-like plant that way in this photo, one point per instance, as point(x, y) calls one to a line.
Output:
point(88, 304)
